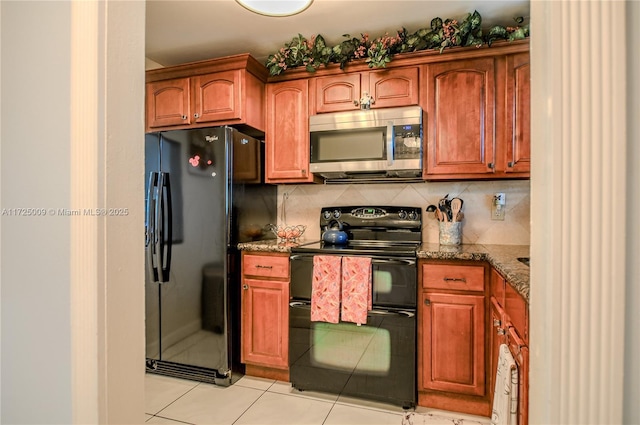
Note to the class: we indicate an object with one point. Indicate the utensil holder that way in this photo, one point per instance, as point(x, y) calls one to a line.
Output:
point(450, 232)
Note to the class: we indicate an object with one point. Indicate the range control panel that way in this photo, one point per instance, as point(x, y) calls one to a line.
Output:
point(388, 217)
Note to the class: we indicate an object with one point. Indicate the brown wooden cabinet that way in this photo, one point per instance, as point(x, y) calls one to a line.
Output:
point(265, 314)
point(452, 347)
point(168, 103)
point(516, 158)
point(460, 117)
point(223, 91)
point(478, 118)
point(387, 88)
point(511, 327)
point(287, 136)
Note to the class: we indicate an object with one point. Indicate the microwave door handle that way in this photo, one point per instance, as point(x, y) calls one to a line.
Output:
point(390, 139)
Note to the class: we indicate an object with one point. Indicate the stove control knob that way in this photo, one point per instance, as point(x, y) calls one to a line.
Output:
point(402, 214)
point(413, 215)
point(326, 215)
point(336, 214)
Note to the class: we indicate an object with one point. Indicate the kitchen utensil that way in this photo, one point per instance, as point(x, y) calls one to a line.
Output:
point(444, 213)
point(456, 205)
point(334, 234)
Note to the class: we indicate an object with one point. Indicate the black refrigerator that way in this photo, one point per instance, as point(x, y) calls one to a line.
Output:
point(204, 195)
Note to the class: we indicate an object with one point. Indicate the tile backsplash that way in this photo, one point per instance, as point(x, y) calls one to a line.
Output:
point(303, 202)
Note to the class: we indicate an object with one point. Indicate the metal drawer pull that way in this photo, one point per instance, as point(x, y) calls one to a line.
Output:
point(496, 322)
point(455, 279)
point(500, 331)
point(263, 267)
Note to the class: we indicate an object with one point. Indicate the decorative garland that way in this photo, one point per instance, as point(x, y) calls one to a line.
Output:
point(314, 52)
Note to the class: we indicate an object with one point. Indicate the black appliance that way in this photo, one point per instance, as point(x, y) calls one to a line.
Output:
point(204, 195)
point(376, 360)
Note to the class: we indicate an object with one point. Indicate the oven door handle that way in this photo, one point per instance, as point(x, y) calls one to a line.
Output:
point(405, 313)
point(375, 312)
point(392, 261)
point(404, 262)
point(300, 304)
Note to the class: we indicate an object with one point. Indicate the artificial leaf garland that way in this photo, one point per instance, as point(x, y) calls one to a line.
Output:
point(313, 53)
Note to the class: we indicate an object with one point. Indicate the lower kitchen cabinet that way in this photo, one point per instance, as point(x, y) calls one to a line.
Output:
point(452, 347)
point(510, 315)
point(265, 315)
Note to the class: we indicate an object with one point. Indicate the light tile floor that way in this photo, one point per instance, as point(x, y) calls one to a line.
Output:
point(260, 401)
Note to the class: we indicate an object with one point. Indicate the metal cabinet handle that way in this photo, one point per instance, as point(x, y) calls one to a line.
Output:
point(497, 322)
point(259, 266)
point(500, 331)
point(491, 165)
point(196, 115)
point(455, 279)
point(510, 164)
point(427, 302)
point(184, 117)
point(245, 286)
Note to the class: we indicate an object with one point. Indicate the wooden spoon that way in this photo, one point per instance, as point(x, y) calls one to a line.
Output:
point(456, 205)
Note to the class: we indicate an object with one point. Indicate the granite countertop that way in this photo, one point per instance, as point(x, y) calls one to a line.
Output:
point(503, 257)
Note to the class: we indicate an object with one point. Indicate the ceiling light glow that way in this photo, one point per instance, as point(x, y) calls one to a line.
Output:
point(274, 7)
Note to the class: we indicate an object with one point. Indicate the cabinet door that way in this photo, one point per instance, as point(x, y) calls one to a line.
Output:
point(460, 118)
point(520, 353)
point(496, 338)
point(217, 96)
point(338, 93)
point(287, 136)
point(453, 343)
point(394, 87)
point(265, 321)
point(168, 103)
point(518, 111)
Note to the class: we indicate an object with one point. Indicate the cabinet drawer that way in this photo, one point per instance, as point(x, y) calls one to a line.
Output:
point(459, 278)
point(266, 266)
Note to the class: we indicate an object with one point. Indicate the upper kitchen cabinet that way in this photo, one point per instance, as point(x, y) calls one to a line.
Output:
point(287, 135)
point(460, 116)
point(478, 116)
point(168, 103)
point(224, 91)
point(515, 111)
point(384, 88)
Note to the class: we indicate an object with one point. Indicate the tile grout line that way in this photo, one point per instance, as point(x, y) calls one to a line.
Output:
point(160, 411)
point(251, 405)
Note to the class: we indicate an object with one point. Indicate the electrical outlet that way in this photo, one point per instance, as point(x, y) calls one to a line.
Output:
point(498, 206)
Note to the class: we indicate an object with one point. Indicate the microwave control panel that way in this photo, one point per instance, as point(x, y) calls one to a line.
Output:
point(407, 141)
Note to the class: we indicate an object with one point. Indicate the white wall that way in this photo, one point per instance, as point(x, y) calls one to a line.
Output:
point(71, 287)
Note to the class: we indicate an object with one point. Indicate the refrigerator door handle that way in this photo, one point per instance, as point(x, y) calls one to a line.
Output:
point(152, 225)
point(166, 217)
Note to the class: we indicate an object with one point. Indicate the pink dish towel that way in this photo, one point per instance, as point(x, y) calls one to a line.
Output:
point(325, 289)
point(356, 289)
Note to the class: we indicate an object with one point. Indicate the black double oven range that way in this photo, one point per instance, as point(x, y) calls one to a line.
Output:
point(376, 360)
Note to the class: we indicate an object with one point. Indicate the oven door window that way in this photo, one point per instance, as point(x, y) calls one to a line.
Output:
point(349, 347)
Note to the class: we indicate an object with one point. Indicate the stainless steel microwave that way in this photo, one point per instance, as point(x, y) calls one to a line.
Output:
point(373, 143)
